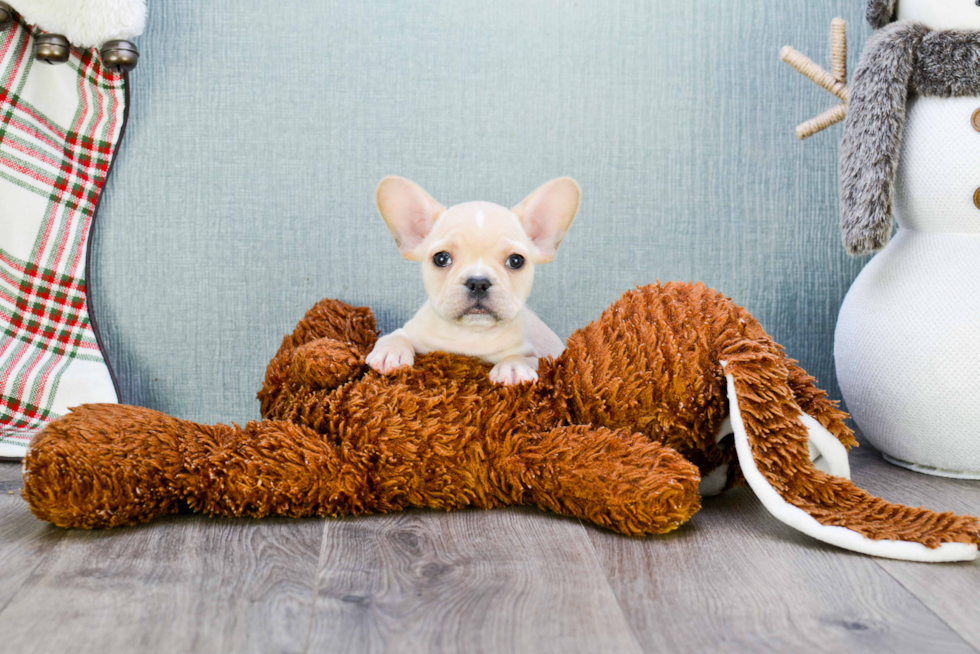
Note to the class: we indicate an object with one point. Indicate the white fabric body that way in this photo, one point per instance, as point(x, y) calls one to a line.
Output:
point(941, 14)
point(85, 23)
point(907, 345)
point(940, 166)
point(907, 350)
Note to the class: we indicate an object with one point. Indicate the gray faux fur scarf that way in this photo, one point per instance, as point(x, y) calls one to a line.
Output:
point(900, 59)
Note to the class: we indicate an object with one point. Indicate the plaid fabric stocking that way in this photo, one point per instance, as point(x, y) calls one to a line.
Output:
point(59, 128)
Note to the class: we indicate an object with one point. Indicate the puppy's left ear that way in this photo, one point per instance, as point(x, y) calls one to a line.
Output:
point(547, 214)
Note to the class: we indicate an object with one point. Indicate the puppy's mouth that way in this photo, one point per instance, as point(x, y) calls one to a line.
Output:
point(478, 309)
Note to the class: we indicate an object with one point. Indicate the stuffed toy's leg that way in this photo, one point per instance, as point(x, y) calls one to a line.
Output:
point(774, 439)
point(104, 465)
point(614, 478)
point(109, 465)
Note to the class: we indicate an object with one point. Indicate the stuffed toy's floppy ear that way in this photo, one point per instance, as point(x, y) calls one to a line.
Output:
point(547, 214)
point(880, 12)
point(799, 471)
point(409, 212)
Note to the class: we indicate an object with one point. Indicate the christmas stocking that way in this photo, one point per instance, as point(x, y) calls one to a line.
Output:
point(60, 127)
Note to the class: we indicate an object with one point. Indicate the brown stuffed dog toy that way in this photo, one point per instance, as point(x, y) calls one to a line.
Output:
point(672, 382)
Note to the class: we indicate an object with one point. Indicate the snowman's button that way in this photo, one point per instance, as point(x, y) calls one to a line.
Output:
point(976, 120)
point(976, 198)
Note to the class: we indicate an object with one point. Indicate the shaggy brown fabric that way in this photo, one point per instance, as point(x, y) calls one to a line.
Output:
point(614, 432)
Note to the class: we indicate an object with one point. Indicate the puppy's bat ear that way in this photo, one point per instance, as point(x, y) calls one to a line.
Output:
point(547, 214)
point(409, 212)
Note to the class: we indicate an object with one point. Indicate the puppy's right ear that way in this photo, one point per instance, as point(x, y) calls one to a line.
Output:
point(409, 212)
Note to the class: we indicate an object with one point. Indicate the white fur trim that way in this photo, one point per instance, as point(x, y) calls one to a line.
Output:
point(11, 451)
point(839, 536)
point(85, 23)
point(826, 452)
point(939, 15)
point(714, 482)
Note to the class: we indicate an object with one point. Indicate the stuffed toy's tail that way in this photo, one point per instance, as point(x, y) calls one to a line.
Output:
point(799, 470)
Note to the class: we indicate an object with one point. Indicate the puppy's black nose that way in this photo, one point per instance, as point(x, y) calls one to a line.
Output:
point(478, 286)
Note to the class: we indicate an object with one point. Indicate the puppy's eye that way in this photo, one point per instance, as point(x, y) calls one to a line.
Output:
point(441, 259)
point(515, 262)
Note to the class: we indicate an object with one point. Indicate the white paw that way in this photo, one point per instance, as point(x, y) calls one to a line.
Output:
point(511, 373)
point(389, 357)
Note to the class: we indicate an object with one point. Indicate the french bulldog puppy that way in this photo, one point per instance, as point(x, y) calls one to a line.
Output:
point(478, 262)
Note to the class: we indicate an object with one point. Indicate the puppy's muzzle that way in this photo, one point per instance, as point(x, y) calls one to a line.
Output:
point(478, 287)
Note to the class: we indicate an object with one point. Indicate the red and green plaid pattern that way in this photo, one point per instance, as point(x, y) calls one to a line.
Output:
point(59, 127)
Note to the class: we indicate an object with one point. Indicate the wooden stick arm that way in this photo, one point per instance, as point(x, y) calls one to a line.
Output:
point(830, 117)
point(834, 82)
point(838, 49)
point(806, 66)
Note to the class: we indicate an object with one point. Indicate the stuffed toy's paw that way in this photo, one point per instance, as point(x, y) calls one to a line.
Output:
point(325, 363)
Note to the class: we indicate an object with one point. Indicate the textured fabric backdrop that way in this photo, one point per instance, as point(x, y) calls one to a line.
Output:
point(244, 190)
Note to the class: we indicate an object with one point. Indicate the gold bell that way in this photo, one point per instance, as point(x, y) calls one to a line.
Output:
point(120, 56)
point(6, 14)
point(51, 48)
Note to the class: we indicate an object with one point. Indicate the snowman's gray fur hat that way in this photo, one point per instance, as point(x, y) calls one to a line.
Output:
point(880, 12)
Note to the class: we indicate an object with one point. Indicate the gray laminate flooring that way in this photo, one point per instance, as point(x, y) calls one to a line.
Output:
point(515, 580)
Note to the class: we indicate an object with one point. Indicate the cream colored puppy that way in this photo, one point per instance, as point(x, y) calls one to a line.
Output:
point(478, 263)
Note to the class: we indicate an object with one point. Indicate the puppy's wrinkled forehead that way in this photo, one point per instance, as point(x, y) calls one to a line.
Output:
point(479, 220)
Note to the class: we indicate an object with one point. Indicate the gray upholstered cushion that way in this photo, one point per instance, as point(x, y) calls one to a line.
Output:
point(259, 130)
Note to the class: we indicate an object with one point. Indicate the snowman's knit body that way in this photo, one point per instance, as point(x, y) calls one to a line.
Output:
point(907, 345)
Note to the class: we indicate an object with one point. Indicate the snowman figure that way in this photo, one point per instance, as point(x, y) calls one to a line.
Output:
point(907, 344)
point(105, 24)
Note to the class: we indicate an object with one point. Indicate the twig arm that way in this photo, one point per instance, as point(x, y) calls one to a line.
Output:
point(834, 82)
point(838, 50)
point(807, 67)
point(830, 117)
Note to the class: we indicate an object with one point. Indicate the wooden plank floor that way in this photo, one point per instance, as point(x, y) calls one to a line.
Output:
point(515, 580)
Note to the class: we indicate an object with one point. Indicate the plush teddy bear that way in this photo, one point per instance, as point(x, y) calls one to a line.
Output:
point(673, 387)
point(106, 24)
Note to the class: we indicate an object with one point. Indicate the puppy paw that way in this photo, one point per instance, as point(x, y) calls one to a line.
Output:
point(389, 357)
point(511, 373)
